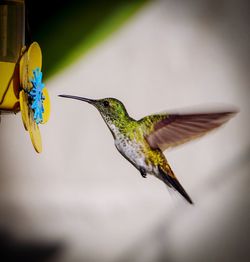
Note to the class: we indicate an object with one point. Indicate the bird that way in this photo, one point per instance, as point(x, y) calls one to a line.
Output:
point(143, 141)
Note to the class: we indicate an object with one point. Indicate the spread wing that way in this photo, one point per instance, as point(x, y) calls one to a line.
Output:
point(169, 130)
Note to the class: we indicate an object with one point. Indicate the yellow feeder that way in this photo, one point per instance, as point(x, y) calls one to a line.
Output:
point(21, 86)
point(11, 43)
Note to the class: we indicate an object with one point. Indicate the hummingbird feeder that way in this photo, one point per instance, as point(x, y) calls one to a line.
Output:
point(21, 86)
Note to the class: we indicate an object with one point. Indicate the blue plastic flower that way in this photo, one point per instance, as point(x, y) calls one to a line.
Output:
point(36, 95)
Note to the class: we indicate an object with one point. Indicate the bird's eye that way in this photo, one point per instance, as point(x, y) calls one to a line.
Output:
point(106, 103)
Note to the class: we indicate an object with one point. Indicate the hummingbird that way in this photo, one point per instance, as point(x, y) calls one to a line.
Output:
point(143, 141)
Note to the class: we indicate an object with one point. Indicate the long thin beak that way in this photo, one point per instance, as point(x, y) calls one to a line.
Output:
point(91, 101)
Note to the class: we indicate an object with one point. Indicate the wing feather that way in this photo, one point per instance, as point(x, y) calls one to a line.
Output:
point(170, 130)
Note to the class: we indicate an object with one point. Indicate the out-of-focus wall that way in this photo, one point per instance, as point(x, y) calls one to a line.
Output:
point(81, 196)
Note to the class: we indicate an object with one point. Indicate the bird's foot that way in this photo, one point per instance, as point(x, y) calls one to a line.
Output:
point(143, 172)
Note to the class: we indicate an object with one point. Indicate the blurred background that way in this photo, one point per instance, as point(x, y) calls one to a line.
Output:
point(80, 201)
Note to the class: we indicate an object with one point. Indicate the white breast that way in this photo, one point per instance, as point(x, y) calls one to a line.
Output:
point(130, 149)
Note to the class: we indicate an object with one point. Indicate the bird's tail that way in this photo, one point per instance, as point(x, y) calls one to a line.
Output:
point(168, 177)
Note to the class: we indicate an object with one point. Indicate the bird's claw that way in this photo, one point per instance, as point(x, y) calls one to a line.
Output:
point(143, 172)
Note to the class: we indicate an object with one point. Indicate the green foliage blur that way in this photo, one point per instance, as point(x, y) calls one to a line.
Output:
point(66, 30)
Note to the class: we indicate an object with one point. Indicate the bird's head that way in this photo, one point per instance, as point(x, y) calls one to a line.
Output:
point(111, 109)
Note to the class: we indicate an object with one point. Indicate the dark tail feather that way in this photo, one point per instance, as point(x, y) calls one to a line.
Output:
point(173, 182)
